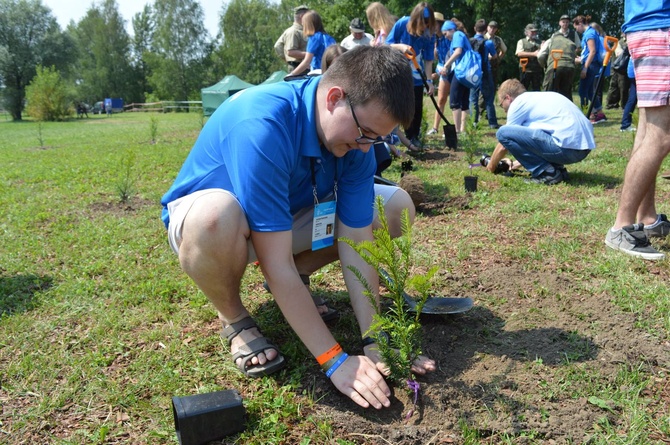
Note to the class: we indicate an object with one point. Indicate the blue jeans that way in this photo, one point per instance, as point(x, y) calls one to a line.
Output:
point(488, 92)
point(587, 87)
point(627, 118)
point(536, 150)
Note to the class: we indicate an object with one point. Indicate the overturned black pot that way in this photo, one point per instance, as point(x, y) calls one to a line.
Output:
point(470, 183)
point(204, 418)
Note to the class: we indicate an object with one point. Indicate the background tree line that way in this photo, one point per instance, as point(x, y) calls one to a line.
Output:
point(170, 56)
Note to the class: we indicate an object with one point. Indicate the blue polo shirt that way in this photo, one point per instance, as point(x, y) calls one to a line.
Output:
point(317, 45)
point(260, 145)
point(423, 45)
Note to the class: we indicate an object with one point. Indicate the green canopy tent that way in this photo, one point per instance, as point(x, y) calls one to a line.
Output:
point(275, 77)
point(214, 96)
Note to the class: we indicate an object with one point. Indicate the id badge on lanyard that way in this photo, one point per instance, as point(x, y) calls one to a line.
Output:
point(323, 223)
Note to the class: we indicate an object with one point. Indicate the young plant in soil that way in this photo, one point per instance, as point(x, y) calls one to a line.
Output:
point(396, 330)
point(470, 140)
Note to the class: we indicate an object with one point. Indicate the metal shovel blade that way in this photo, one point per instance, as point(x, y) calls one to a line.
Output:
point(437, 305)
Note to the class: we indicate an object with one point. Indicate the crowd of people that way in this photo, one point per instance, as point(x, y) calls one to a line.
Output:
point(304, 177)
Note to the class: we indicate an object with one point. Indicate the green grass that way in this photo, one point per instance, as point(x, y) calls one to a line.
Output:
point(99, 327)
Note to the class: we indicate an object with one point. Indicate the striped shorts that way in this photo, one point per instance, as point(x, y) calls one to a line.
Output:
point(650, 51)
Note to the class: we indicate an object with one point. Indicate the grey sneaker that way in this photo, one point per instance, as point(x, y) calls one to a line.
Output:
point(631, 240)
point(659, 229)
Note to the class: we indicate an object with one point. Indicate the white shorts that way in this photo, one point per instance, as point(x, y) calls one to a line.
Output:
point(302, 221)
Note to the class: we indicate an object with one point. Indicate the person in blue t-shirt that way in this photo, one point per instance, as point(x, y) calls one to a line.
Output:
point(487, 89)
point(459, 96)
point(442, 45)
point(317, 42)
point(591, 60)
point(415, 32)
point(247, 192)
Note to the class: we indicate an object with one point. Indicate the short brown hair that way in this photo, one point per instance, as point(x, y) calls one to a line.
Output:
point(375, 73)
point(512, 88)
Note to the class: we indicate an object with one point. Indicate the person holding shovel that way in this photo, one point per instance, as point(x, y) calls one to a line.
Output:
point(591, 60)
point(647, 28)
point(544, 132)
point(415, 33)
point(558, 54)
point(264, 182)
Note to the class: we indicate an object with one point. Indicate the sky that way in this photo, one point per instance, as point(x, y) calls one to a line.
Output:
point(66, 10)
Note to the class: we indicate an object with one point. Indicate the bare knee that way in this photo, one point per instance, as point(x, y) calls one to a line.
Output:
point(399, 202)
point(214, 227)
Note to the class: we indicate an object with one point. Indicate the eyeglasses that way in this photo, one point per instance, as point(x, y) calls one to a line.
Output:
point(503, 101)
point(363, 140)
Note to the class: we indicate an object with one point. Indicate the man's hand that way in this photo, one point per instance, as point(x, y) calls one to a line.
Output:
point(359, 379)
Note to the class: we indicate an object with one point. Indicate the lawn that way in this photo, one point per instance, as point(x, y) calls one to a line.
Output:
point(568, 341)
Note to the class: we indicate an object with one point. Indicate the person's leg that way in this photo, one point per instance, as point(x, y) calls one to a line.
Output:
point(442, 96)
point(474, 100)
point(627, 118)
point(652, 145)
point(613, 93)
point(564, 79)
point(533, 148)
point(212, 221)
point(488, 92)
point(412, 132)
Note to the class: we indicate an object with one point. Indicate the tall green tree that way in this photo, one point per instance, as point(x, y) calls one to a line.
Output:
point(143, 28)
point(180, 49)
point(29, 36)
point(103, 65)
point(250, 29)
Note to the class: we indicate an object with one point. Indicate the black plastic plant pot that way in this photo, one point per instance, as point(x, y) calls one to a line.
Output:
point(470, 183)
point(203, 418)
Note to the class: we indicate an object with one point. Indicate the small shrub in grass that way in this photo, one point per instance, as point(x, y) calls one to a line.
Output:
point(396, 330)
point(153, 129)
point(127, 180)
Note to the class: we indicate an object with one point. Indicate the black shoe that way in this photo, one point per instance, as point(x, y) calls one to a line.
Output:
point(494, 126)
point(564, 171)
point(415, 141)
point(552, 178)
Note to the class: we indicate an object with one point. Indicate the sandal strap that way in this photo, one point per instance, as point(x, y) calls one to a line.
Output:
point(233, 330)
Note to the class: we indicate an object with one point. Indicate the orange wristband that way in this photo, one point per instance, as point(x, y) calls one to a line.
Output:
point(329, 354)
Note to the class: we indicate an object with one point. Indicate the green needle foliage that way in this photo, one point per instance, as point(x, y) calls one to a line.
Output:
point(396, 330)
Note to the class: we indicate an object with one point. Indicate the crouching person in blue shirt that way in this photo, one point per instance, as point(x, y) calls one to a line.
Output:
point(544, 132)
point(273, 162)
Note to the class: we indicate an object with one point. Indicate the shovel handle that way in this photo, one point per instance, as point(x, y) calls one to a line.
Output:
point(556, 54)
point(411, 55)
point(610, 45)
point(523, 62)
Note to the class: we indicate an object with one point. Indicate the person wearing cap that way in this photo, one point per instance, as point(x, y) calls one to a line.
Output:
point(358, 35)
point(291, 45)
point(528, 48)
point(568, 43)
point(414, 33)
point(247, 192)
point(501, 49)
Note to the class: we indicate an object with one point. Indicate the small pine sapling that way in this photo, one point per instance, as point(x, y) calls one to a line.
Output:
point(396, 330)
